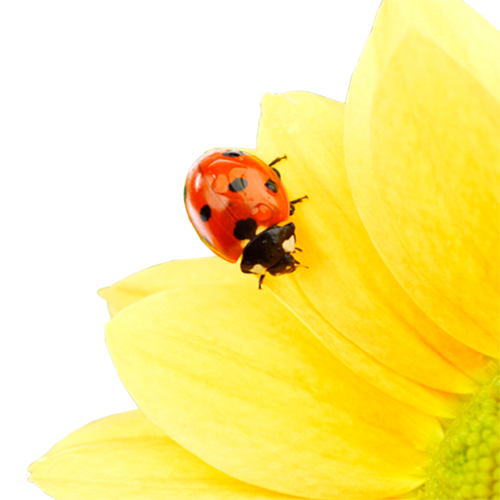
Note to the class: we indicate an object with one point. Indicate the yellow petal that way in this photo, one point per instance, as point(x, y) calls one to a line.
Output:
point(348, 291)
point(474, 42)
point(438, 184)
point(453, 24)
point(233, 377)
point(437, 403)
point(126, 457)
point(178, 273)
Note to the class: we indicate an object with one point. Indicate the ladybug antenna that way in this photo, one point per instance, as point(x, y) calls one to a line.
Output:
point(298, 264)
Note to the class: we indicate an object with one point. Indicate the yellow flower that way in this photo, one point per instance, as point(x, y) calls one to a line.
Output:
point(335, 381)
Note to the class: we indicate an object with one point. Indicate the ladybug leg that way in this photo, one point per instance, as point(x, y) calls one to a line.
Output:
point(298, 200)
point(276, 160)
point(261, 279)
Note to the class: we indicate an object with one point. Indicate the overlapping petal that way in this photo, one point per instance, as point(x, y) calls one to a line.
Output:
point(173, 274)
point(126, 457)
point(233, 377)
point(439, 182)
point(185, 273)
point(348, 291)
point(458, 154)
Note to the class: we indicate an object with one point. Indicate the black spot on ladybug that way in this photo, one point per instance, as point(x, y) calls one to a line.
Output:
point(238, 185)
point(205, 213)
point(233, 153)
point(272, 186)
point(245, 229)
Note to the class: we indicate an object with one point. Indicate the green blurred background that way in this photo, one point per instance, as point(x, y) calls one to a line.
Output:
point(131, 93)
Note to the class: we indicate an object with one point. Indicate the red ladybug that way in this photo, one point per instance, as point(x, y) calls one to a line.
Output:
point(235, 202)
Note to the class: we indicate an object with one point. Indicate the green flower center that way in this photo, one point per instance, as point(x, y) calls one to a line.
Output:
point(467, 463)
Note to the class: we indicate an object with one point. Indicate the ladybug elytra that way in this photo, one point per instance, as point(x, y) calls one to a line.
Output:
point(235, 202)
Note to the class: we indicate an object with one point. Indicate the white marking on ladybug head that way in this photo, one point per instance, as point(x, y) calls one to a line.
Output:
point(258, 269)
point(244, 243)
point(289, 244)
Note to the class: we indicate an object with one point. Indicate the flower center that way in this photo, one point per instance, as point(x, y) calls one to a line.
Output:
point(467, 463)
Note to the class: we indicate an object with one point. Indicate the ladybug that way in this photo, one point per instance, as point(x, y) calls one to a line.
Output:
point(235, 201)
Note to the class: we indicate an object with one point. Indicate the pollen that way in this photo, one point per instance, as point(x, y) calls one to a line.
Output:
point(467, 463)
